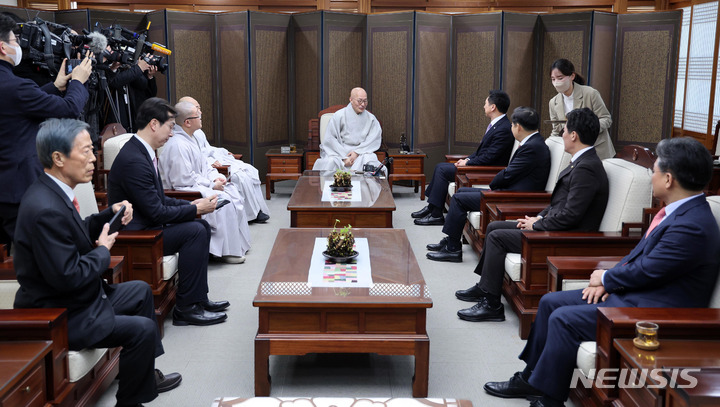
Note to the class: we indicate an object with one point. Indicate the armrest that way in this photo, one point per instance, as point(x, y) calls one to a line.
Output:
point(41, 324)
point(186, 195)
point(452, 158)
point(238, 156)
point(224, 170)
point(512, 211)
point(143, 252)
point(575, 268)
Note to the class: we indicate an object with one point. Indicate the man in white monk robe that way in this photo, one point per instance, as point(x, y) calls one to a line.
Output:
point(243, 175)
point(352, 136)
point(182, 166)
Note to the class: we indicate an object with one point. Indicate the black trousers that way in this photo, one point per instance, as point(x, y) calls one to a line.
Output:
point(463, 201)
point(8, 218)
point(137, 332)
point(436, 191)
point(191, 240)
point(501, 237)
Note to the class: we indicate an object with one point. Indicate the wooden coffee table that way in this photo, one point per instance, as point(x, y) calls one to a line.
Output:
point(307, 209)
point(387, 319)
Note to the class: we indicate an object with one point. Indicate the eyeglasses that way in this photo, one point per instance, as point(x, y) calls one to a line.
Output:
point(194, 117)
point(361, 101)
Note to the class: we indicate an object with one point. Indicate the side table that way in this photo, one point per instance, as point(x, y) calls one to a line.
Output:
point(408, 167)
point(282, 166)
point(23, 373)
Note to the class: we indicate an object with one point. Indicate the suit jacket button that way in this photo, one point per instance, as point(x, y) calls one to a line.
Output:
point(104, 297)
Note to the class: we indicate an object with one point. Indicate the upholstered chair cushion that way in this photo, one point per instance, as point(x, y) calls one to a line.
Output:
point(112, 147)
point(513, 264)
point(8, 288)
point(85, 194)
point(324, 120)
point(568, 285)
point(474, 219)
point(559, 159)
point(81, 362)
point(586, 358)
point(630, 190)
point(170, 266)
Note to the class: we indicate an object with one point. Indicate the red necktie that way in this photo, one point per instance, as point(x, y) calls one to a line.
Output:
point(656, 221)
point(76, 204)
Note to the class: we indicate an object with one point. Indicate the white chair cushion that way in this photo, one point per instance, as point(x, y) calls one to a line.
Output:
point(630, 190)
point(513, 263)
point(85, 194)
point(8, 288)
point(81, 362)
point(474, 219)
point(568, 285)
point(112, 147)
point(170, 266)
point(324, 120)
point(559, 159)
point(586, 358)
point(451, 189)
point(481, 186)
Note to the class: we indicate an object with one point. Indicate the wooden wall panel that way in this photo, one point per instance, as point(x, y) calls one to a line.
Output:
point(344, 56)
point(476, 71)
point(602, 56)
point(307, 56)
point(158, 33)
point(519, 56)
point(233, 82)
point(646, 69)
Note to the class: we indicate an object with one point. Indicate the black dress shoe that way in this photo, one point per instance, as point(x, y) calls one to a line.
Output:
point(472, 294)
point(214, 306)
point(196, 315)
point(546, 402)
point(429, 220)
point(434, 247)
point(446, 255)
point(166, 382)
point(262, 217)
point(422, 212)
point(516, 387)
point(483, 311)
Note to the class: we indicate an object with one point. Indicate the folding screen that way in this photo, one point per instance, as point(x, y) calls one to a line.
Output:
point(344, 57)
point(390, 69)
point(77, 19)
point(306, 61)
point(645, 67)
point(158, 33)
point(476, 70)
point(561, 36)
point(431, 96)
point(518, 58)
point(29, 15)
point(233, 90)
point(191, 37)
point(269, 78)
point(602, 57)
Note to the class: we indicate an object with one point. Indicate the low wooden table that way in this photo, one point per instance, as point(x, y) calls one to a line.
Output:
point(673, 353)
point(408, 167)
point(282, 166)
point(387, 319)
point(308, 210)
point(23, 373)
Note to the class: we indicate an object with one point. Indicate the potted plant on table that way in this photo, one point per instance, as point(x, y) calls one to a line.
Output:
point(340, 244)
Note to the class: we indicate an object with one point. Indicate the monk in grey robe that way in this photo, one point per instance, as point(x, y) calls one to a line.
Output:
point(351, 138)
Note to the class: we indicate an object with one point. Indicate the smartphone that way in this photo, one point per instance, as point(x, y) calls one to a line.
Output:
point(221, 202)
point(70, 64)
point(116, 221)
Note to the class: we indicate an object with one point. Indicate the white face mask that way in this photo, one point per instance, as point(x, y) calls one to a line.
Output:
point(562, 85)
point(17, 56)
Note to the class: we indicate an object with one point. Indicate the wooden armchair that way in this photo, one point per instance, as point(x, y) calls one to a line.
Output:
point(316, 130)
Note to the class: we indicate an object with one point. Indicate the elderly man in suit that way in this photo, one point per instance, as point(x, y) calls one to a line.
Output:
point(578, 203)
point(527, 171)
point(495, 149)
point(60, 258)
point(674, 265)
point(134, 177)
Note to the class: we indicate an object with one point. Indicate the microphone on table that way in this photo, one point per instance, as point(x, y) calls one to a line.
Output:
point(386, 161)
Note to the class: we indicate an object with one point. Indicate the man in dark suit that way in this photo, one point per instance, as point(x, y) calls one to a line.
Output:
point(527, 171)
point(674, 265)
point(59, 260)
point(134, 177)
point(23, 106)
point(578, 203)
point(495, 149)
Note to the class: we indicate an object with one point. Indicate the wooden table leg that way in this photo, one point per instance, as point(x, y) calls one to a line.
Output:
point(267, 188)
point(422, 366)
point(262, 368)
point(422, 189)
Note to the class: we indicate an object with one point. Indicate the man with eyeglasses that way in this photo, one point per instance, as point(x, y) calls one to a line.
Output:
point(23, 106)
point(243, 175)
point(182, 166)
point(352, 137)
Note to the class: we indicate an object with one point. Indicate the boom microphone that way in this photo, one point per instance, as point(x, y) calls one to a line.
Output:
point(387, 160)
point(98, 43)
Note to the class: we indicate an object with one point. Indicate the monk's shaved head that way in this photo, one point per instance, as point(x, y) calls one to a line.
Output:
point(358, 100)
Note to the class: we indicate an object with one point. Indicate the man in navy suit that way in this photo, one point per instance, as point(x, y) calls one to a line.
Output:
point(60, 258)
point(134, 177)
point(495, 149)
point(674, 265)
point(23, 106)
point(578, 203)
point(527, 171)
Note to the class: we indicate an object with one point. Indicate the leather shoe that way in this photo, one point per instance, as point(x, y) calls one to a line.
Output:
point(546, 402)
point(483, 311)
point(422, 212)
point(429, 220)
point(472, 294)
point(196, 315)
point(516, 387)
point(166, 382)
point(214, 306)
point(262, 217)
point(434, 247)
point(446, 255)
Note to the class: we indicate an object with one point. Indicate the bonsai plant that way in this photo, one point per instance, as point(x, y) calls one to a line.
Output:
point(342, 179)
point(340, 242)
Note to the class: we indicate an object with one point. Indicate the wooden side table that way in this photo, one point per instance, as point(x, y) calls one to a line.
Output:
point(408, 167)
point(22, 373)
point(282, 166)
point(704, 394)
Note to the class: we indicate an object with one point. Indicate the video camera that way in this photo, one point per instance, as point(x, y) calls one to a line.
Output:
point(44, 43)
point(128, 47)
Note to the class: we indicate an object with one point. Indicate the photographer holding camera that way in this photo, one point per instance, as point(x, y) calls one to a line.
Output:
point(133, 86)
point(23, 106)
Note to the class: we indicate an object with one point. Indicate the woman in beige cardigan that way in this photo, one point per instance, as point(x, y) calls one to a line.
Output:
point(573, 94)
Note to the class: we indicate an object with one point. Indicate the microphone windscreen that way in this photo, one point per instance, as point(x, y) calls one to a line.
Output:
point(98, 43)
